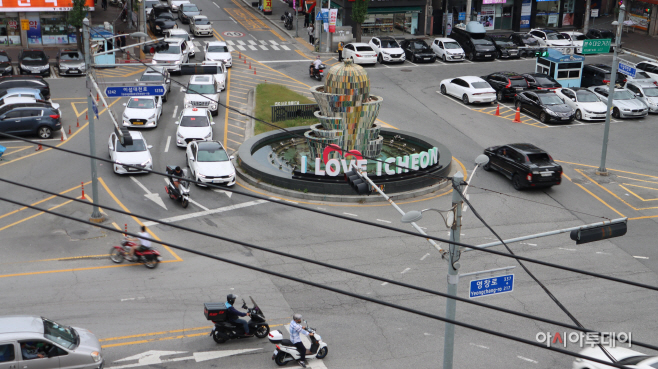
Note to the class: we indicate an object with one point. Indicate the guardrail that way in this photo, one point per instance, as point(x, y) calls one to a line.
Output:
point(285, 112)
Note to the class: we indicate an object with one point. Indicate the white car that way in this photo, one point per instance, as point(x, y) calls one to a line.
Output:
point(174, 4)
point(142, 112)
point(137, 154)
point(200, 26)
point(587, 105)
point(387, 49)
point(642, 77)
point(174, 56)
point(202, 92)
point(360, 53)
point(625, 104)
point(210, 163)
point(183, 35)
point(193, 124)
point(11, 100)
point(470, 89)
point(218, 51)
point(645, 92)
point(650, 68)
point(448, 49)
point(552, 39)
point(220, 77)
point(625, 356)
point(576, 39)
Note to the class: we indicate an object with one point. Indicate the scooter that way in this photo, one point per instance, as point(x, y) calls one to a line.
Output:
point(225, 330)
point(147, 255)
point(286, 352)
point(183, 194)
point(317, 73)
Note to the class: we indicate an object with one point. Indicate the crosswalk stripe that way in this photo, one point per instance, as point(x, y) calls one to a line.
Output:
point(241, 47)
point(252, 42)
point(231, 49)
point(285, 47)
point(240, 42)
point(197, 43)
point(252, 47)
point(273, 42)
point(230, 42)
point(263, 47)
point(274, 47)
point(263, 42)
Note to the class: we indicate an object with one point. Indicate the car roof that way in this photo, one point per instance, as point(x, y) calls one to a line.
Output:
point(176, 30)
point(641, 83)
point(603, 67)
point(508, 74)
point(22, 77)
point(471, 79)
point(136, 135)
point(199, 16)
point(209, 145)
point(174, 40)
point(526, 148)
point(387, 38)
point(142, 97)
point(358, 44)
point(216, 43)
point(542, 92)
point(536, 74)
point(16, 90)
point(195, 112)
point(18, 99)
point(201, 79)
point(161, 6)
point(445, 39)
point(21, 323)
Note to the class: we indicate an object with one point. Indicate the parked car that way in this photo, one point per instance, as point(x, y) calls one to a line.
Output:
point(642, 77)
point(650, 68)
point(218, 51)
point(576, 39)
point(25, 81)
point(202, 92)
point(142, 112)
point(387, 49)
point(599, 74)
point(506, 84)
point(174, 56)
point(622, 355)
point(137, 154)
point(645, 92)
point(469, 89)
point(624, 105)
point(183, 35)
point(160, 19)
point(220, 76)
point(200, 25)
point(210, 163)
point(55, 346)
point(174, 4)
point(545, 105)
point(525, 164)
point(24, 92)
point(586, 104)
point(360, 53)
point(448, 49)
point(193, 124)
point(187, 11)
point(541, 81)
point(523, 39)
point(33, 118)
point(552, 39)
point(505, 49)
point(6, 69)
point(33, 61)
point(416, 51)
point(597, 33)
point(473, 42)
point(70, 62)
point(158, 74)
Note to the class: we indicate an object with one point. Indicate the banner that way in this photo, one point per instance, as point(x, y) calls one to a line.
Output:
point(488, 16)
point(526, 9)
point(333, 14)
point(34, 33)
point(267, 7)
point(39, 5)
point(449, 25)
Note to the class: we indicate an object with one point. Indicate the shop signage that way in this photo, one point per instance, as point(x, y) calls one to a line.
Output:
point(526, 11)
point(461, 16)
point(485, 2)
point(449, 26)
point(34, 32)
point(596, 46)
point(40, 5)
point(25, 24)
point(267, 7)
point(595, 13)
point(488, 16)
point(333, 14)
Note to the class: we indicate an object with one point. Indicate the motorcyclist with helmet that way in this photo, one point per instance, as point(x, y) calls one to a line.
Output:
point(295, 329)
point(234, 314)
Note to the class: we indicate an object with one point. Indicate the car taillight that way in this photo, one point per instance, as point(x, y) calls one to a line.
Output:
point(550, 157)
point(529, 177)
point(509, 84)
point(54, 116)
point(606, 81)
point(358, 56)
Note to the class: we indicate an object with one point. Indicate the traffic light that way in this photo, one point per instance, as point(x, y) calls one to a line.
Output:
point(357, 183)
point(155, 47)
point(599, 233)
point(124, 136)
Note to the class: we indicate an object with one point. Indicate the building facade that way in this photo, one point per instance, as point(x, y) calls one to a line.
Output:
point(387, 17)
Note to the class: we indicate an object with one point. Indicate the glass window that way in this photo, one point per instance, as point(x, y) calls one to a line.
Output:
point(519, 82)
point(651, 91)
point(201, 21)
point(201, 89)
point(550, 100)
point(138, 145)
point(54, 28)
point(141, 103)
point(173, 49)
point(196, 121)
point(209, 154)
point(217, 49)
point(65, 336)
point(10, 32)
point(586, 96)
point(7, 353)
point(548, 13)
point(623, 95)
point(539, 158)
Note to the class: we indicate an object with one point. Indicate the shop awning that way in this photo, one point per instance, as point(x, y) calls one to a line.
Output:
point(395, 9)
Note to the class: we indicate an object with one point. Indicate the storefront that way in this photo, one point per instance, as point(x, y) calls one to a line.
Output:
point(640, 13)
point(547, 14)
point(393, 21)
point(497, 14)
point(10, 32)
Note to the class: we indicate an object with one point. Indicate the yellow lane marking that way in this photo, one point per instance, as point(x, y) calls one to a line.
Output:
point(237, 127)
point(15, 151)
point(614, 170)
point(36, 215)
point(124, 208)
point(238, 97)
point(41, 201)
point(241, 88)
point(241, 121)
point(239, 143)
point(237, 134)
point(303, 55)
point(598, 198)
point(605, 189)
point(116, 226)
point(644, 217)
point(246, 20)
point(278, 35)
point(217, 35)
point(304, 43)
point(69, 98)
point(276, 71)
point(641, 180)
point(636, 195)
point(386, 124)
point(58, 259)
point(151, 334)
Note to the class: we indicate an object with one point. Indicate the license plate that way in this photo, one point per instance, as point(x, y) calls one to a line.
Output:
point(133, 169)
point(546, 174)
point(519, 88)
point(36, 72)
point(74, 71)
point(487, 56)
point(138, 123)
point(276, 352)
point(426, 58)
point(159, 258)
point(565, 118)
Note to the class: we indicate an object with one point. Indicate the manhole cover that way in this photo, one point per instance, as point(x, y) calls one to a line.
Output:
point(405, 70)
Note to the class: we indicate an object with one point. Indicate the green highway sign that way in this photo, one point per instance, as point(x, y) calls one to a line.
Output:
point(596, 46)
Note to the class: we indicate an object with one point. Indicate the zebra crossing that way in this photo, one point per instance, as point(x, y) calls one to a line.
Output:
point(260, 45)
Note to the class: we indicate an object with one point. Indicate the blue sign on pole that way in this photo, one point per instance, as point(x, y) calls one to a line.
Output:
point(461, 16)
point(134, 91)
point(323, 15)
point(95, 107)
point(491, 286)
point(627, 70)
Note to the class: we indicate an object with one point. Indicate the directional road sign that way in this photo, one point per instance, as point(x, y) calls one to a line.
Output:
point(627, 70)
point(323, 15)
point(596, 46)
point(491, 286)
point(134, 91)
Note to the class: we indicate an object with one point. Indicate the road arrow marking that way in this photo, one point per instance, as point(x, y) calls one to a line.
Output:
point(149, 195)
point(150, 356)
point(229, 194)
point(154, 357)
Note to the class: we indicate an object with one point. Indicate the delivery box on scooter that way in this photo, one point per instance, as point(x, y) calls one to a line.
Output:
point(275, 337)
point(215, 311)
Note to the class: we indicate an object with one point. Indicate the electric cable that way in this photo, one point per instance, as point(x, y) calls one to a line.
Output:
point(328, 288)
point(323, 264)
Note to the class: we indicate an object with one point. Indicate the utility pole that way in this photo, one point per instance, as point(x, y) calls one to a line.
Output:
point(318, 24)
point(445, 18)
point(96, 215)
point(468, 15)
point(453, 268)
point(295, 5)
point(588, 6)
point(602, 171)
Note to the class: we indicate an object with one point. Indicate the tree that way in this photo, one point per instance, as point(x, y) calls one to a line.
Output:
point(75, 17)
point(359, 15)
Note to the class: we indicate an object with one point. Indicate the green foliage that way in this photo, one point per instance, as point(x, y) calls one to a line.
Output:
point(78, 13)
point(267, 94)
point(360, 11)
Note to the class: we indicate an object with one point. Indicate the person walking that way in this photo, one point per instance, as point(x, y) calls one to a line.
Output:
point(340, 51)
point(104, 4)
point(311, 37)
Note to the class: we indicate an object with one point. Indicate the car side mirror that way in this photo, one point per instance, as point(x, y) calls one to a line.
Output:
point(231, 157)
point(111, 147)
point(149, 146)
point(639, 94)
point(124, 104)
point(212, 123)
point(573, 99)
point(177, 122)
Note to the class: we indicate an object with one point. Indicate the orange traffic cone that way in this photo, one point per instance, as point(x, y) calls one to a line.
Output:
point(86, 116)
point(249, 65)
point(61, 138)
point(39, 147)
point(82, 185)
point(97, 98)
point(254, 71)
point(69, 129)
point(497, 110)
point(517, 117)
point(239, 55)
point(245, 60)
point(77, 122)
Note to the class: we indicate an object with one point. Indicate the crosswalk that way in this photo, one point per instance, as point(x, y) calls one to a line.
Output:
point(259, 45)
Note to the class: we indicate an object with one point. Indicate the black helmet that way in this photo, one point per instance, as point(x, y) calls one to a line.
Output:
point(231, 298)
point(177, 169)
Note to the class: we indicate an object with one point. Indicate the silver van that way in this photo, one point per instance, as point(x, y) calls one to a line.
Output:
point(33, 342)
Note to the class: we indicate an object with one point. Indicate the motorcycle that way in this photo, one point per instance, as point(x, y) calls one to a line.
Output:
point(317, 73)
point(225, 330)
point(149, 256)
point(184, 186)
point(287, 20)
point(286, 352)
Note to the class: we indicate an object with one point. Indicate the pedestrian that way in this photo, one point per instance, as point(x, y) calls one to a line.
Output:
point(311, 37)
point(340, 51)
point(104, 4)
point(124, 42)
point(117, 43)
point(306, 20)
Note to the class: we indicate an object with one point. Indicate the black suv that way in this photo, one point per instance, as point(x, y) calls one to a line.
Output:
point(505, 48)
point(506, 84)
point(598, 75)
point(525, 164)
point(541, 81)
point(26, 82)
point(546, 105)
point(38, 118)
point(417, 50)
point(33, 61)
point(160, 19)
point(525, 40)
point(5, 64)
point(474, 44)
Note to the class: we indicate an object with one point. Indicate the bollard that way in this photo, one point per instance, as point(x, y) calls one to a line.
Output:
point(82, 185)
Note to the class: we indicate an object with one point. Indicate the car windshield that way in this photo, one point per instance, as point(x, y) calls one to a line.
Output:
point(201, 21)
point(482, 41)
point(555, 36)
point(623, 95)
point(218, 49)
point(173, 49)
point(138, 145)
point(529, 40)
point(189, 8)
point(480, 85)
point(201, 89)
point(550, 100)
point(62, 335)
point(451, 45)
point(420, 45)
point(389, 44)
point(141, 103)
point(166, 15)
point(578, 37)
point(197, 121)
point(539, 158)
point(208, 154)
point(607, 34)
point(71, 56)
point(504, 43)
point(638, 75)
point(151, 77)
point(651, 91)
point(586, 96)
point(34, 56)
point(4, 58)
point(632, 360)
point(183, 36)
point(364, 48)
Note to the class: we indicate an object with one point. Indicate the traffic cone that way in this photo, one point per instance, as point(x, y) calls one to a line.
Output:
point(497, 110)
point(77, 122)
point(239, 55)
point(249, 65)
point(254, 71)
point(39, 147)
point(245, 60)
point(86, 116)
point(126, 227)
point(517, 117)
point(69, 129)
point(97, 98)
point(61, 137)
point(82, 185)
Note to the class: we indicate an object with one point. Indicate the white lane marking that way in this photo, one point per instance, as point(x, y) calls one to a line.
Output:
point(406, 270)
point(216, 5)
point(128, 299)
point(241, 47)
point(428, 334)
point(274, 47)
point(197, 43)
point(283, 61)
point(412, 63)
point(230, 48)
point(227, 193)
point(48, 139)
point(526, 359)
point(285, 47)
point(562, 248)
point(233, 20)
point(199, 205)
point(155, 197)
point(240, 42)
point(263, 42)
point(354, 215)
point(167, 145)
point(263, 47)
point(175, 111)
point(382, 220)
point(273, 42)
point(480, 346)
point(322, 209)
point(384, 284)
point(230, 42)
point(252, 47)
point(640, 257)
point(604, 253)
point(252, 42)
point(207, 212)
point(425, 256)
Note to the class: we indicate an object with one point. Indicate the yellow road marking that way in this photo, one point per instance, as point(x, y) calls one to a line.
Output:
point(236, 126)
point(303, 55)
point(605, 189)
point(151, 334)
point(58, 259)
point(246, 20)
point(613, 170)
point(217, 35)
point(636, 195)
point(116, 226)
point(237, 134)
point(41, 201)
point(239, 143)
point(15, 151)
point(641, 180)
point(238, 97)
point(36, 215)
point(304, 43)
point(278, 35)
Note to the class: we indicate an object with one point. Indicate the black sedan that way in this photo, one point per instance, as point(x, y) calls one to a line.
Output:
point(416, 50)
point(541, 81)
point(160, 19)
point(5, 64)
point(187, 11)
point(546, 105)
point(525, 164)
point(33, 61)
point(505, 48)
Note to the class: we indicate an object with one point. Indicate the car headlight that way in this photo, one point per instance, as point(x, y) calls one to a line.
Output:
point(208, 136)
point(125, 116)
point(152, 116)
point(177, 61)
point(549, 111)
point(62, 66)
point(201, 175)
point(23, 66)
point(588, 111)
point(213, 106)
point(146, 163)
point(8, 67)
point(157, 27)
point(96, 356)
point(385, 52)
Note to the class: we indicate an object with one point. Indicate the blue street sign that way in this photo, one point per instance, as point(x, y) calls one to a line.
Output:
point(491, 286)
point(134, 91)
point(627, 70)
point(95, 107)
point(323, 15)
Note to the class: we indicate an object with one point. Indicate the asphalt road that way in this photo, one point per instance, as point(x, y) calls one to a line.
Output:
point(58, 268)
